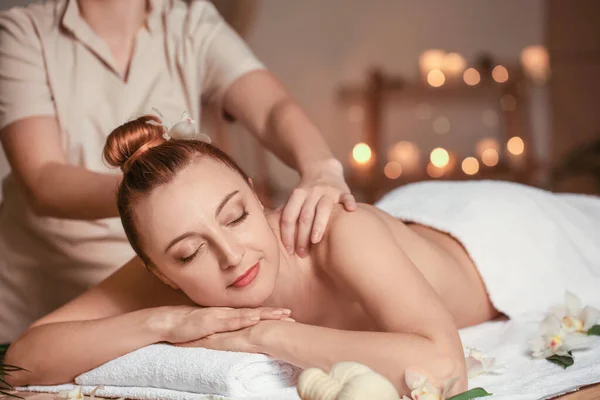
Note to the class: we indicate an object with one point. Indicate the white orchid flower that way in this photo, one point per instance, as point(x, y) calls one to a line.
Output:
point(574, 317)
point(552, 339)
point(73, 394)
point(478, 363)
point(422, 389)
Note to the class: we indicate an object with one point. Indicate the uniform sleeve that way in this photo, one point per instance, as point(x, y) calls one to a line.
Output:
point(24, 89)
point(222, 55)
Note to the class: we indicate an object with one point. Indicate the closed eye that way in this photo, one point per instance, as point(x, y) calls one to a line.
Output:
point(239, 220)
point(185, 260)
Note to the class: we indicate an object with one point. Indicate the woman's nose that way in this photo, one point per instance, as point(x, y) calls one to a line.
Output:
point(232, 252)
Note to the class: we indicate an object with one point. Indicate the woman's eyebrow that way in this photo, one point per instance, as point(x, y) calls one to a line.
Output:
point(224, 202)
point(188, 234)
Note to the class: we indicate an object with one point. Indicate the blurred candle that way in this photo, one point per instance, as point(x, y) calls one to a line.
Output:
point(470, 166)
point(471, 76)
point(436, 78)
point(536, 63)
point(500, 74)
point(453, 65)
point(430, 60)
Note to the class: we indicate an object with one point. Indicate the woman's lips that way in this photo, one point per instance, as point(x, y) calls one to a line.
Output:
point(247, 277)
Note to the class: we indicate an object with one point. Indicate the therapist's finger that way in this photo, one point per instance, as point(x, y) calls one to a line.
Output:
point(305, 224)
point(289, 218)
point(349, 202)
point(323, 213)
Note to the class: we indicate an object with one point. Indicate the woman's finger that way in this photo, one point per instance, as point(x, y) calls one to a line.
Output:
point(260, 312)
point(233, 324)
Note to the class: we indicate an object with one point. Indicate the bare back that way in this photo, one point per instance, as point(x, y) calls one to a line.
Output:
point(447, 267)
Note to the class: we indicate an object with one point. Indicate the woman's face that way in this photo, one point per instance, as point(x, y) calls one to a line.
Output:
point(206, 233)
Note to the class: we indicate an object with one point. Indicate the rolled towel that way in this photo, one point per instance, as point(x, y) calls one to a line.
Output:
point(195, 370)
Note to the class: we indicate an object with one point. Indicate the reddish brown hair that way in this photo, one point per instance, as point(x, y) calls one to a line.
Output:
point(149, 161)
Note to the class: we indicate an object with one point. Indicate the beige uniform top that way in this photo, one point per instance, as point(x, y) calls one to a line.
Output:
point(52, 63)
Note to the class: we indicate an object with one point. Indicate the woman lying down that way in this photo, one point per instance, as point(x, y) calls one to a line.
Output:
point(388, 287)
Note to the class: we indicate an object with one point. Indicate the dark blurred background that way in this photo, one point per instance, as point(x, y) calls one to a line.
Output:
point(430, 89)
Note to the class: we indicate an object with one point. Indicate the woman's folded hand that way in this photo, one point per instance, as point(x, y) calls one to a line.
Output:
point(184, 324)
point(243, 340)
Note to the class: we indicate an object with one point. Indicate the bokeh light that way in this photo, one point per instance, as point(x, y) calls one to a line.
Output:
point(471, 76)
point(490, 157)
point(441, 125)
point(362, 153)
point(500, 74)
point(434, 172)
point(508, 102)
point(439, 157)
point(470, 166)
point(515, 145)
point(406, 154)
point(436, 78)
point(392, 170)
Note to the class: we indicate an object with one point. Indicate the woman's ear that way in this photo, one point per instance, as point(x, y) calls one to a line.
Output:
point(163, 278)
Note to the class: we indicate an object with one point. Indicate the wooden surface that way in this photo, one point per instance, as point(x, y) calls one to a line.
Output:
point(588, 393)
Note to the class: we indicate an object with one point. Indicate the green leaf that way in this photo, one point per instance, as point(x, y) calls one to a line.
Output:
point(5, 385)
point(594, 330)
point(10, 368)
point(563, 361)
point(471, 394)
point(10, 395)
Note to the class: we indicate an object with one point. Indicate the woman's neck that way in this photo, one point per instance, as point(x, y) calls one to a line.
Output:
point(114, 20)
point(297, 280)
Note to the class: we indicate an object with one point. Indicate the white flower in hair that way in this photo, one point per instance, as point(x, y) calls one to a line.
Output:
point(185, 129)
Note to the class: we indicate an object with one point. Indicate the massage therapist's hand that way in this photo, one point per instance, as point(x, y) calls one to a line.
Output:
point(311, 203)
point(244, 340)
point(187, 323)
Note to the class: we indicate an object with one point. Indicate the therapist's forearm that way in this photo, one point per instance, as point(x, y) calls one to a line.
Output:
point(264, 106)
point(65, 191)
point(293, 137)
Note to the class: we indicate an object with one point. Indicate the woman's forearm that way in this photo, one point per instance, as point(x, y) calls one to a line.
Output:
point(56, 353)
point(64, 191)
point(387, 353)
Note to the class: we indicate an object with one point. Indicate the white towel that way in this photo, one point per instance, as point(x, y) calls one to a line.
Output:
point(179, 373)
point(526, 378)
point(529, 245)
point(146, 393)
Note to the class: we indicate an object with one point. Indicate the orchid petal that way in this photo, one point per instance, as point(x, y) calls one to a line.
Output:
point(93, 393)
point(448, 386)
point(573, 304)
point(577, 341)
point(474, 367)
point(550, 325)
point(476, 353)
point(537, 344)
point(489, 363)
point(559, 310)
point(590, 316)
point(414, 380)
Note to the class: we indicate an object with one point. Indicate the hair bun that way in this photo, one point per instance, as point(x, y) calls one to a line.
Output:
point(124, 141)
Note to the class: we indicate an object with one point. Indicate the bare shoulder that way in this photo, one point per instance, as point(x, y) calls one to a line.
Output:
point(351, 231)
point(130, 288)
